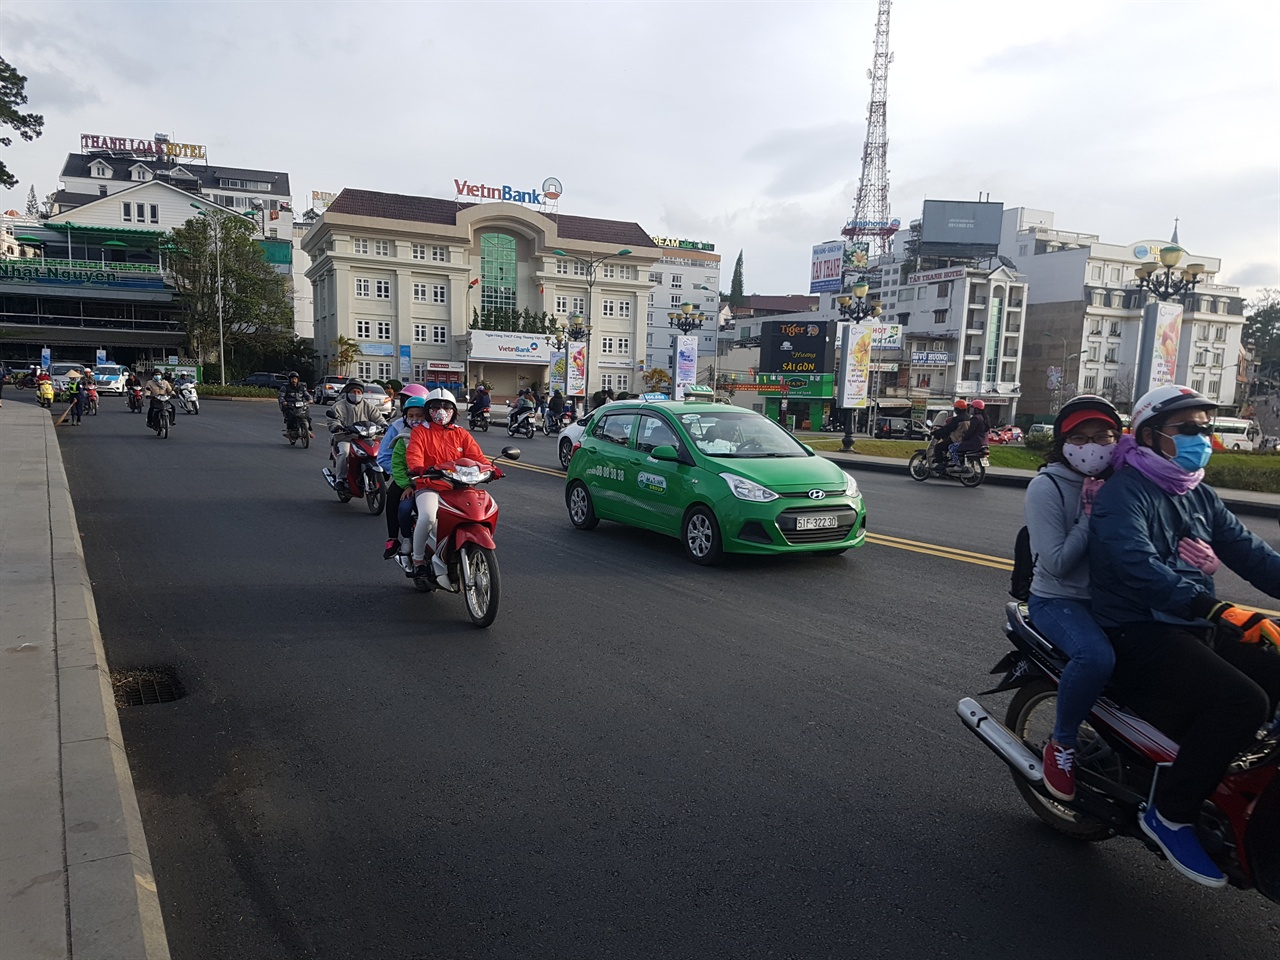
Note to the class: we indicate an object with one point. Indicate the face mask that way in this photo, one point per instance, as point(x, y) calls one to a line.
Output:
point(354, 397)
point(417, 422)
point(441, 416)
point(1193, 452)
point(1090, 459)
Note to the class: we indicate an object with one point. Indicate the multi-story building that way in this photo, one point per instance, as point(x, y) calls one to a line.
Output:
point(1084, 316)
point(689, 272)
point(410, 280)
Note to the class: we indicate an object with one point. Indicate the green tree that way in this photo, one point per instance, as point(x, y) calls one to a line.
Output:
point(257, 311)
point(345, 351)
point(1262, 328)
point(657, 380)
point(736, 296)
point(13, 94)
point(33, 204)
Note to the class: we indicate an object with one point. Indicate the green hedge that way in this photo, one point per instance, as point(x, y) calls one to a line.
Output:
point(215, 390)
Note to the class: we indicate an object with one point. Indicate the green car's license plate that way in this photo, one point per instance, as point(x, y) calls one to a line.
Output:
point(814, 523)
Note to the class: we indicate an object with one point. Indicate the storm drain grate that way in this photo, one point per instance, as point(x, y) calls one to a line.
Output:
point(144, 687)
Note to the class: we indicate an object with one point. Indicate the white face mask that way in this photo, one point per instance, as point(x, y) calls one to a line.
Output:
point(1090, 459)
point(354, 398)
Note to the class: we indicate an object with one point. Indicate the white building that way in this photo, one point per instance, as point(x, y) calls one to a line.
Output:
point(689, 272)
point(1084, 315)
point(303, 306)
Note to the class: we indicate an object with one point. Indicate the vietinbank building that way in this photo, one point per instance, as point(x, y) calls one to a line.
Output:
point(452, 292)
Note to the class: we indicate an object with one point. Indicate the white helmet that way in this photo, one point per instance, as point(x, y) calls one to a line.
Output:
point(1167, 399)
point(440, 395)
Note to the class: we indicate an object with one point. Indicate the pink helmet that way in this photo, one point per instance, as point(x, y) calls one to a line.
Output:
point(413, 390)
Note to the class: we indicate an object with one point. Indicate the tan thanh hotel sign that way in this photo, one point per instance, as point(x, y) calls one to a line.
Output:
point(155, 148)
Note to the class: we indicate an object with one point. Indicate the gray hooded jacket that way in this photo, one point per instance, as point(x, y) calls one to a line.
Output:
point(1059, 532)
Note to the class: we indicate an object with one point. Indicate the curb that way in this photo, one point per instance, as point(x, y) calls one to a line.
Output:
point(1009, 478)
point(113, 907)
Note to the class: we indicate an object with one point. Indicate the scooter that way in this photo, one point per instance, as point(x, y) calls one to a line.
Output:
point(463, 538)
point(134, 399)
point(552, 425)
point(1117, 766)
point(91, 394)
point(44, 393)
point(187, 397)
point(478, 421)
point(971, 469)
point(520, 423)
point(297, 422)
point(364, 478)
point(164, 417)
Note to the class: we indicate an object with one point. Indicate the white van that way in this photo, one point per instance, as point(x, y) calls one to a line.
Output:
point(1235, 434)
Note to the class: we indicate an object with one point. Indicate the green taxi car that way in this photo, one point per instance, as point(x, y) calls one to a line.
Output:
point(720, 478)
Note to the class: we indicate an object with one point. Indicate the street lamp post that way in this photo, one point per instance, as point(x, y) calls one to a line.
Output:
point(1166, 286)
point(1063, 374)
point(215, 219)
point(577, 332)
point(590, 263)
point(557, 341)
point(686, 321)
point(854, 309)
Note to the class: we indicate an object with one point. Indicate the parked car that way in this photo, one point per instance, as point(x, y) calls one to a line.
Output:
point(272, 380)
point(1038, 428)
point(328, 389)
point(900, 428)
point(720, 479)
point(1006, 434)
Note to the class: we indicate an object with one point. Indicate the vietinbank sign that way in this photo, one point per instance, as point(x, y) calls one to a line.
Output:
point(509, 347)
point(482, 191)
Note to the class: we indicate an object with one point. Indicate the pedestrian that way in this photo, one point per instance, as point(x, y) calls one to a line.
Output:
point(74, 394)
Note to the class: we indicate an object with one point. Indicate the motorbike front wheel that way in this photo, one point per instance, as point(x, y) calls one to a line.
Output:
point(305, 435)
point(481, 589)
point(376, 498)
point(195, 408)
point(972, 474)
point(1031, 717)
point(919, 467)
point(93, 408)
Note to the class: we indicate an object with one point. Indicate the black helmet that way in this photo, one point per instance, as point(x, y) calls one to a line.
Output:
point(353, 385)
point(292, 375)
point(1086, 403)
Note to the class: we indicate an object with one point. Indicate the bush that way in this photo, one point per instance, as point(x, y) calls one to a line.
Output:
point(1041, 443)
point(1259, 472)
point(216, 390)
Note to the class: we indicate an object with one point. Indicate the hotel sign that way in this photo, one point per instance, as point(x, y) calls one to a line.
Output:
point(936, 276)
point(683, 244)
point(154, 148)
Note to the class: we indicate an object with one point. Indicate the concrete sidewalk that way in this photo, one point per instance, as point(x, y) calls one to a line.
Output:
point(75, 874)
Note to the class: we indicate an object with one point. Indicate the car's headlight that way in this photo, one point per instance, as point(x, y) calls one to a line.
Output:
point(745, 489)
point(850, 485)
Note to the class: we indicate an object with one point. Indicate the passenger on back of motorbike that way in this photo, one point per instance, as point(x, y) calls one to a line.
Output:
point(351, 408)
point(974, 438)
point(441, 440)
point(292, 391)
point(1058, 507)
point(386, 460)
point(1204, 671)
point(950, 432)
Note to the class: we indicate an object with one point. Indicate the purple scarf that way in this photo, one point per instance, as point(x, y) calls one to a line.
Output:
point(1165, 474)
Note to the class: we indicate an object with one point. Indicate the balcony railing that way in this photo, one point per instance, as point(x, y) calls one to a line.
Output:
point(49, 262)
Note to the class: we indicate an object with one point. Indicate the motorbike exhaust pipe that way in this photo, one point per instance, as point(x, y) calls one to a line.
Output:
point(1000, 739)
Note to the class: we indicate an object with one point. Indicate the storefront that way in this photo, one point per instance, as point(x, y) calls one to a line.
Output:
point(508, 362)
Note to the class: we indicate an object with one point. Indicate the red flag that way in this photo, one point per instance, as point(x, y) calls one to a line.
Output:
point(475, 281)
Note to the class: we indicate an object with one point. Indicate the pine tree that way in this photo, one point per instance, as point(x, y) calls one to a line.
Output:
point(33, 205)
point(736, 296)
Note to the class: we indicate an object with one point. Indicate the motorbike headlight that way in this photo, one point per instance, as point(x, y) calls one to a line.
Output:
point(745, 489)
point(850, 485)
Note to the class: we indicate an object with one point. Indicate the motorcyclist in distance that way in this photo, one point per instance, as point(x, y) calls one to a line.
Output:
point(157, 390)
point(556, 406)
point(293, 390)
point(351, 408)
point(480, 402)
point(943, 434)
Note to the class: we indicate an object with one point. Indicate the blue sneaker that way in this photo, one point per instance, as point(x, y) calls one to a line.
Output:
point(1182, 847)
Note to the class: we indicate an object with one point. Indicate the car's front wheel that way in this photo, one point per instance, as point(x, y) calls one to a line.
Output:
point(700, 535)
point(582, 512)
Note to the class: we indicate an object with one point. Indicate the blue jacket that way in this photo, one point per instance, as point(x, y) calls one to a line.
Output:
point(388, 444)
point(1135, 572)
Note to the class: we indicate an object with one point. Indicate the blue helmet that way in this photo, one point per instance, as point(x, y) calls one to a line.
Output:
point(414, 402)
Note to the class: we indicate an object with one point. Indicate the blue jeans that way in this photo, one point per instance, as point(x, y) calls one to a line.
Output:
point(1072, 629)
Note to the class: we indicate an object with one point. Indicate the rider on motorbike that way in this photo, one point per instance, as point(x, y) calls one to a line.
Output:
point(481, 402)
point(1205, 672)
point(386, 459)
point(292, 391)
point(440, 441)
point(157, 389)
point(523, 405)
point(351, 408)
point(556, 405)
point(975, 436)
point(943, 435)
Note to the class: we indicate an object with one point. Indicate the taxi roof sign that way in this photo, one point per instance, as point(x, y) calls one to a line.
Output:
point(699, 390)
point(654, 396)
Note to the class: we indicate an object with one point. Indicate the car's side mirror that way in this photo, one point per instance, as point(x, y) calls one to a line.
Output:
point(665, 452)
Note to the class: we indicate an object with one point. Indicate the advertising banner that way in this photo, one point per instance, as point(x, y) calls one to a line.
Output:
point(406, 362)
point(686, 364)
point(1162, 327)
point(886, 336)
point(789, 346)
point(46, 357)
point(855, 364)
point(509, 347)
point(827, 267)
point(929, 358)
point(577, 370)
point(377, 349)
point(100, 357)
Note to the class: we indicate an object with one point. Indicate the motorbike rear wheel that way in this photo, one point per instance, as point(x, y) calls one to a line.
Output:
point(918, 467)
point(1031, 716)
point(972, 474)
point(481, 594)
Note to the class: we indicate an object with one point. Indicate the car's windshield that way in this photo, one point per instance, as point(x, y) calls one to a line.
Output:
point(739, 433)
point(375, 390)
point(106, 371)
point(62, 369)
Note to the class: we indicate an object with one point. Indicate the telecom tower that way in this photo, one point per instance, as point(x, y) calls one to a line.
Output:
point(870, 223)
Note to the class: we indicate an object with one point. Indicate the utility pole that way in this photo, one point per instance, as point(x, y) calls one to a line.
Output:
point(870, 221)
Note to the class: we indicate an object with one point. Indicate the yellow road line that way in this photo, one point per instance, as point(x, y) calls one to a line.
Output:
point(506, 464)
point(895, 541)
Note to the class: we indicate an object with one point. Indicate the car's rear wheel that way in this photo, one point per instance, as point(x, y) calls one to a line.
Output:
point(700, 534)
point(582, 512)
point(566, 452)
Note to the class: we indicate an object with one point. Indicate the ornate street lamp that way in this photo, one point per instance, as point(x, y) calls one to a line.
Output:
point(855, 309)
point(590, 263)
point(558, 341)
point(686, 321)
point(577, 332)
point(1164, 285)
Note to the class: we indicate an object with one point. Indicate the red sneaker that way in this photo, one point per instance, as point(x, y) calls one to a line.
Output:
point(1059, 770)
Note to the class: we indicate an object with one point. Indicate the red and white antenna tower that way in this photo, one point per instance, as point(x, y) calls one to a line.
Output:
point(870, 222)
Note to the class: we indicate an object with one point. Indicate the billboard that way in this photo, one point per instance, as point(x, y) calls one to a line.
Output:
point(509, 347)
point(886, 336)
point(960, 228)
point(577, 370)
point(686, 364)
point(797, 346)
point(855, 364)
point(1158, 351)
point(827, 267)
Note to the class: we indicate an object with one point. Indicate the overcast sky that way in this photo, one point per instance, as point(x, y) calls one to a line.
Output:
point(740, 124)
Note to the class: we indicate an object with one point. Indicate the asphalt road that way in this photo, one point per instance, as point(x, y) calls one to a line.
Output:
point(641, 758)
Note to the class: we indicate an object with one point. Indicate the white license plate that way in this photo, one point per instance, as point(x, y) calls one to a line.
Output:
point(814, 523)
point(986, 462)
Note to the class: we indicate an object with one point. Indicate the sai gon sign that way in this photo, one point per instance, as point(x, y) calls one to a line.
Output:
point(155, 148)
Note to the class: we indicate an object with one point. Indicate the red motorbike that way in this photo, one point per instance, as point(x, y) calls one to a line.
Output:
point(463, 539)
point(134, 399)
point(364, 478)
point(1116, 767)
point(91, 399)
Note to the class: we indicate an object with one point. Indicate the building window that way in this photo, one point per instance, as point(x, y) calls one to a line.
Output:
point(384, 329)
point(939, 316)
point(419, 293)
point(676, 300)
point(944, 290)
point(126, 210)
point(384, 370)
point(907, 294)
point(140, 211)
point(1114, 329)
point(497, 272)
point(1222, 306)
point(624, 381)
point(362, 287)
point(364, 370)
point(438, 293)
point(439, 333)
point(440, 254)
point(924, 380)
point(1095, 327)
point(651, 299)
point(1112, 355)
point(1218, 356)
point(677, 281)
point(419, 251)
point(655, 278)
point(1220, 331)
point(1115, 274)
point(579, 305)
point(624, 346)
point(359, 245)
point(1098, 296)
point(608, 308)
point(154, 213)
point(382, 248)
point(1198, 384)
point(562, 266)
point(610, 271)
point(1093, 353)
point(579, 269)
point(1091, 383)
point(1215, 388)
point(1095, 272)
point(420, 371)
point(1117, 299)
point(562, 304)
point(1022, 249)
point(624, 309)
point(382, 289)
point(606, 344)
point(363, 328)
point(420, 331)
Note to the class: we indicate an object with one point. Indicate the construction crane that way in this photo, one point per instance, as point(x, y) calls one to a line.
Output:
point(871, 223)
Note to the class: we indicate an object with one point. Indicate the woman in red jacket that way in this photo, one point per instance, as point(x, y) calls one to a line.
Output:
point(439, 440)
